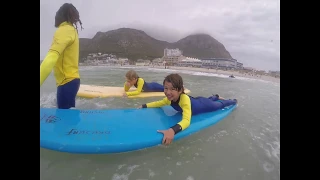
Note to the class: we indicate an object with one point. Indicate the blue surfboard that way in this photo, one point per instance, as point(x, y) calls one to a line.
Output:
point(114, 130)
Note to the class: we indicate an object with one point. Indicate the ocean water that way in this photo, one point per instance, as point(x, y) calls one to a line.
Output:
point(245, 145)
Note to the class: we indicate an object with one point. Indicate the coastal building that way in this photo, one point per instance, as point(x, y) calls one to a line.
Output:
point(97, 59)
point(141, 62)
point(275, 73)
point(123, 60)
point(189, 62)
point(221, 63)
point(158, 62)
point(100, 56)
point(172, 52)
point(239, 65)
point(172, 56)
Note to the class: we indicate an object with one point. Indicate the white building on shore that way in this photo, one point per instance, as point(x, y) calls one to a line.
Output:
point(189, 62)
point(222, 63)
point(172, 56)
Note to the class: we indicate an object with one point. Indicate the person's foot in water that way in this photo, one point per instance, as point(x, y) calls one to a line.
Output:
point(219, 98)
point(216, 95)
point(236, 101)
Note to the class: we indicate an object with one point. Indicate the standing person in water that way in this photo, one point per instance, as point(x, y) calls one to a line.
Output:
point(188, 105)
point(132, 79)
point(63, 56)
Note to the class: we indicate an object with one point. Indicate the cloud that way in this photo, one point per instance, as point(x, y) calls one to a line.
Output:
point(249, 29)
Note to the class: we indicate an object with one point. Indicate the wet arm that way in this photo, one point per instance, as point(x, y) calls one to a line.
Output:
point(185, 105)
point(47, 65)
point(138, 90)
point(126, 88)
point(156, 104)
point(62, 38)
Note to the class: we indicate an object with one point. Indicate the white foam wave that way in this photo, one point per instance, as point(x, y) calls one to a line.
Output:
point(198, 73)
point(125, 175)
point(50, 101)
point(190, 72)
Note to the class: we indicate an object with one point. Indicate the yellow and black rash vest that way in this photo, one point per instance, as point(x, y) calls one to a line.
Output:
point(189, 106)
point(63, 56)
point(139, 85)
point(183, 104)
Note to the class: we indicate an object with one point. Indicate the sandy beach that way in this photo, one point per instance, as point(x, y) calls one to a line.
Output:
point(235, 73)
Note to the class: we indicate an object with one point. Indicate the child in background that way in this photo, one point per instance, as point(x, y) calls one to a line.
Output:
point(132, 79)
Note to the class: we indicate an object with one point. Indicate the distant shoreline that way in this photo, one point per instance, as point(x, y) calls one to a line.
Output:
point(228, 73)
point(222, 72)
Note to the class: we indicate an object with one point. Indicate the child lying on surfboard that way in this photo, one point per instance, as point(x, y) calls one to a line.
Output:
point(132, 79)
point(188, 105)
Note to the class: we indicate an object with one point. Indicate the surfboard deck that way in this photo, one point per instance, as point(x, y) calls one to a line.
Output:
point(114, 130)
point(94, 91)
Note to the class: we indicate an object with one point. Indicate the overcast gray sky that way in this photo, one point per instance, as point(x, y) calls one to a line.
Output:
point(249, 29)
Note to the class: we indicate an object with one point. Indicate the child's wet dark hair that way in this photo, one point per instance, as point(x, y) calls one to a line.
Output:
point(176, 81)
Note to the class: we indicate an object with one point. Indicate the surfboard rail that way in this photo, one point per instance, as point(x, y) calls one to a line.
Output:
point(112, 131)
point(95, 91)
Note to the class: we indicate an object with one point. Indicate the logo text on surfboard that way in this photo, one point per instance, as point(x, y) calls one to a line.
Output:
point(87, 132)
point(90, 112)
point(49, 118)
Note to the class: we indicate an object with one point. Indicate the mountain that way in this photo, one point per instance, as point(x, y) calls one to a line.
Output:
point(136, 44)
